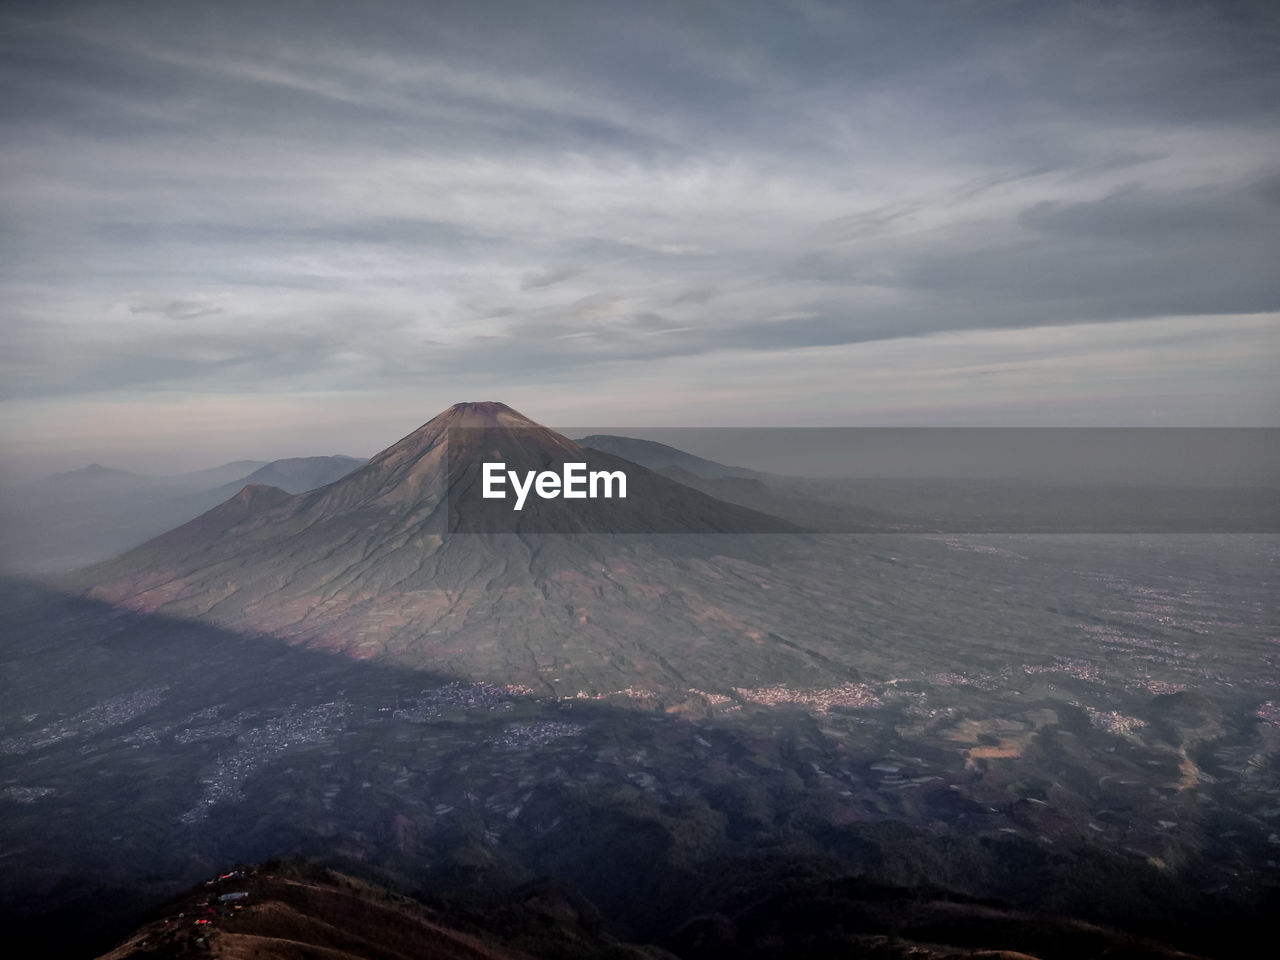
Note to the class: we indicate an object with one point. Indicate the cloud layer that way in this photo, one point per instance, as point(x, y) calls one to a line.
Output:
point(326, 198)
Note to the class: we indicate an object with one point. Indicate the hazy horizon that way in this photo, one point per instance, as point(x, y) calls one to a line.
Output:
point(1177, 456)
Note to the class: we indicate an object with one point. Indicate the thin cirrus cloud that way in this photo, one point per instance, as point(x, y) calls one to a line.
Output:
point(254, 199)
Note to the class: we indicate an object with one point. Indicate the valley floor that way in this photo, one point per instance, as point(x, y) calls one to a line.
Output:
point(1109, 751)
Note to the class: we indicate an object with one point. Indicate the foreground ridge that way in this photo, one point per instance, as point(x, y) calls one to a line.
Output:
point(284, 910)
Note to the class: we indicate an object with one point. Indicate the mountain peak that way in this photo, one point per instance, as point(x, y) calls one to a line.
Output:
point(433, 434)
point(413, 472)
point(93, 471)
point(484, 413)
point(253, 493)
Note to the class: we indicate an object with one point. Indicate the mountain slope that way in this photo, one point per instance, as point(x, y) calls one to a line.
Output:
point(87, 515)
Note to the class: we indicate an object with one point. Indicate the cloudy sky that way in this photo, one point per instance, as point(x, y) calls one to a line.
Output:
point(275, 229)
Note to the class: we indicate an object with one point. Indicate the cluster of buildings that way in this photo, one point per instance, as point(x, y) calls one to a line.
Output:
point(103, 716)
point(856, 695)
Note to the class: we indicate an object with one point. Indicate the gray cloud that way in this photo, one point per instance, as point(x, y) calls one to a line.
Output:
point(278, 197)
point(547, 277)
point(177, 309)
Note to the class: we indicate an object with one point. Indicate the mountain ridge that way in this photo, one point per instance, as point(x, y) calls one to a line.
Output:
point(294, 474)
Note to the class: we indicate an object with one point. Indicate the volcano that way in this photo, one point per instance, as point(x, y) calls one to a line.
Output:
point(674, 591)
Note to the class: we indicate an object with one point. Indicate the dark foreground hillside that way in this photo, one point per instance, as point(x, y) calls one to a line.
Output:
point(283, 911)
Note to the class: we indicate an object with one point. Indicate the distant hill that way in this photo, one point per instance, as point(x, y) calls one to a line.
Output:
point(84, 516)
point(94, 473)
point(96, 481)
point(294, 475)
point(91, 482)
point(657, 456)
point(214, 476)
